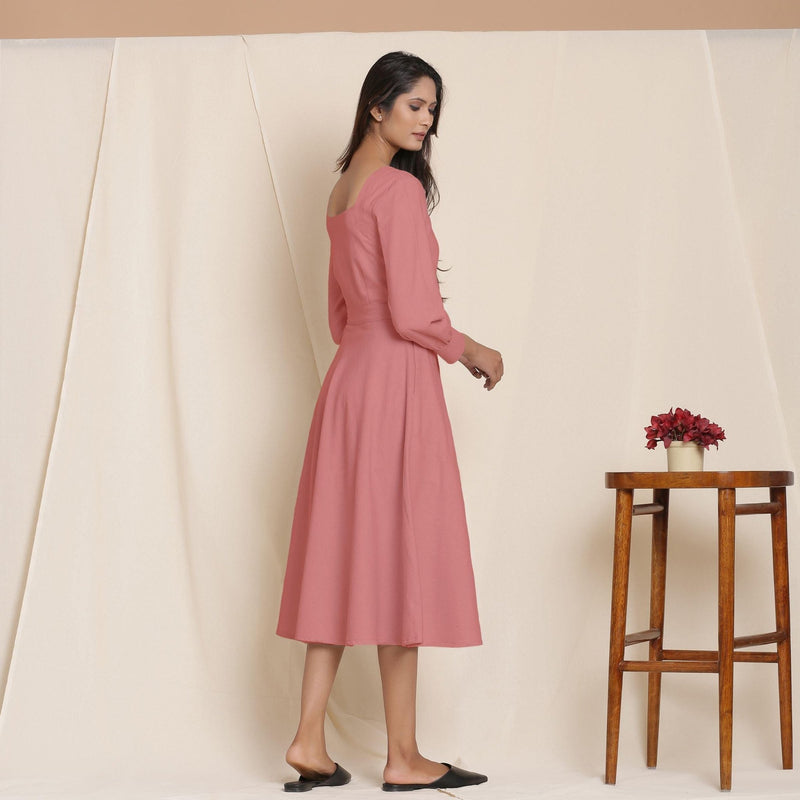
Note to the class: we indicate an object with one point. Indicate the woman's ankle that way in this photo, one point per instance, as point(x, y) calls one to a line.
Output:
point(310, 759)
point(412, 769)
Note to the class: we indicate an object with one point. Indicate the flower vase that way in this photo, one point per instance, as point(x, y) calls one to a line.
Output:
point(685, 457)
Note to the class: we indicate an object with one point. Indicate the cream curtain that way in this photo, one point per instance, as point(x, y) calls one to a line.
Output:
point(620, 213)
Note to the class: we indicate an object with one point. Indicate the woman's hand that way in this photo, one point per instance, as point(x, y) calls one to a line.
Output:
point(482, 362)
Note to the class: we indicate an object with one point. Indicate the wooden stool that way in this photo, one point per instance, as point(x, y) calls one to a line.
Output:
point(720, 660)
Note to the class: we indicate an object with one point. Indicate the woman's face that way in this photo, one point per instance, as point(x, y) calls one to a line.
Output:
point(409, 120)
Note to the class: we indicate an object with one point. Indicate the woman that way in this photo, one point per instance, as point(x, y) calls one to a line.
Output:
point(379, 552)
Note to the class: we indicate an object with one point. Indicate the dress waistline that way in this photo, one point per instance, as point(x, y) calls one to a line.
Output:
point(370, 313)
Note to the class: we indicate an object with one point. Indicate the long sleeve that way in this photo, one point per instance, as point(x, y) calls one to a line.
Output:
point(337, 309)
point(415, 304)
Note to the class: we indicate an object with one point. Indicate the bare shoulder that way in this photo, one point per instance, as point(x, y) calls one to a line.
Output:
point(337, 199)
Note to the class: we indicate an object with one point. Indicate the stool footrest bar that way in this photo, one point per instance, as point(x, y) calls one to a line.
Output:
point(760, 638)
point(647, 508)
point(691, 655)
point(712, 656)
point(758, 658)
point(757, 508)
point(642, 636)
point(668, 666)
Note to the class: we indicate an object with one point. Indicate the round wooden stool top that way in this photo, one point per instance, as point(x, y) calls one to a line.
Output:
point(739, 479)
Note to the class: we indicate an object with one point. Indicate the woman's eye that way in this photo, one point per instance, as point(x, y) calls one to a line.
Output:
point(415, 108)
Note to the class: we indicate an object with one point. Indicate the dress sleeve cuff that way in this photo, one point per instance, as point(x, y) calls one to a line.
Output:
point(454, 349)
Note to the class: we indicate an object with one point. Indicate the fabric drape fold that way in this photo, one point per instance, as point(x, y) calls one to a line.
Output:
point(619, 217)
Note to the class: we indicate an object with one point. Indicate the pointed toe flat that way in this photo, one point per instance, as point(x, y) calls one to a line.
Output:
point(452, 779)
point(339, 777)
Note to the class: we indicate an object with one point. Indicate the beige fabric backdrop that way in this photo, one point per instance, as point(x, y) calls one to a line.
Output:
point(620, 212)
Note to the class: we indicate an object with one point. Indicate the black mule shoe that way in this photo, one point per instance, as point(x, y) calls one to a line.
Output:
point(339, 777)
point(452, 779)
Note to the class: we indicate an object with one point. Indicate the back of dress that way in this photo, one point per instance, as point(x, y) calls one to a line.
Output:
point(384, 253)
point(379, 551)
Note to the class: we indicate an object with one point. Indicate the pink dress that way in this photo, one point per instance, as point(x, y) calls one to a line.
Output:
point(379, 551)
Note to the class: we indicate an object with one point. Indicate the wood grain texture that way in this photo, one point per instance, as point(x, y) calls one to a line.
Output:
point(727, 522)
point(658, 579)
point(729, 647)
point(619, 610)
point(741, 479)
point(780, 566)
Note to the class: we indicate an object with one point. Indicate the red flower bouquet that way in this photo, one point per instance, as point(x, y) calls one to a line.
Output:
point(682, 426)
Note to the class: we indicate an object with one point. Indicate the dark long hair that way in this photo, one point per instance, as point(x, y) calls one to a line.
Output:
point(391, 75)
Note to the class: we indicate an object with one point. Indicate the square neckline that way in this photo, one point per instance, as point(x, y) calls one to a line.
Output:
point(360, 192)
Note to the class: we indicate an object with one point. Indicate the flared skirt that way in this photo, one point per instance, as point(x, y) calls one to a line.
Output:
point(379, 550)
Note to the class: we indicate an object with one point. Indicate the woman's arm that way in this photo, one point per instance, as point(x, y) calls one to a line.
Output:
point(415, 304)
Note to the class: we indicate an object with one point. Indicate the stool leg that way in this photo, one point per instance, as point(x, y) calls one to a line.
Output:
point(780, 566)
point(658, 577)
point(727, 524)
point(619, 610)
